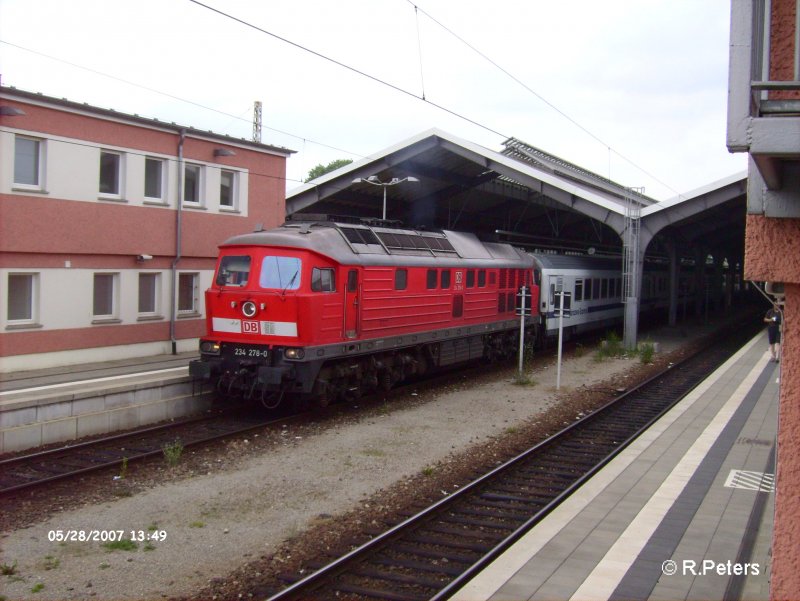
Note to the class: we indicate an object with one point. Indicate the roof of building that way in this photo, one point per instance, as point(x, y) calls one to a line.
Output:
point(11, 92)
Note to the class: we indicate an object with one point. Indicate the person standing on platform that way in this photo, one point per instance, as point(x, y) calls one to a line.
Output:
point(774, 319)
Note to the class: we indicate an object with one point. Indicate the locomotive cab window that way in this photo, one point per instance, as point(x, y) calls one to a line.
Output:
point(481, 278)
point(323, 280)
point(281, 273)
point(233, 271)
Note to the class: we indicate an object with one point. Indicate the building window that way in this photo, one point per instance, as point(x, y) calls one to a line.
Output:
point(187, 292)
point(227, 189)
point(22, 289)
point(191, 183)
point(110, 164)
point(153, 178)
point(27, 162)
point(148, 293)
point(104, 295)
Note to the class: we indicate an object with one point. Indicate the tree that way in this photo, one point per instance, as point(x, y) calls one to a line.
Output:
point(320, 170)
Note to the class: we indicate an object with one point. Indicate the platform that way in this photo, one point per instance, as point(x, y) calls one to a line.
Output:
point(685, 512)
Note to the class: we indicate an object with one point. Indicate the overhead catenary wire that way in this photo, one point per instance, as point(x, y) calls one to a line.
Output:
point(418, 9)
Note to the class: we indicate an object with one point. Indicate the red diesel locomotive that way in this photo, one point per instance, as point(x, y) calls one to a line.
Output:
point(327, 310)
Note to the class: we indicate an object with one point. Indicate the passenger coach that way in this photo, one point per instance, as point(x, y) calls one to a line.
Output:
point(326, 310)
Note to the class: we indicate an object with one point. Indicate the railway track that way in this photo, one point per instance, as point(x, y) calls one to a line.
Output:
point(27, 471)
point(432, 554)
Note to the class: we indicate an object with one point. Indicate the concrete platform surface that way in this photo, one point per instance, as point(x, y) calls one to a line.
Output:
point(685, 512)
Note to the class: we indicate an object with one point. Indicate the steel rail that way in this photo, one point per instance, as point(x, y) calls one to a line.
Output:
point(310, 585)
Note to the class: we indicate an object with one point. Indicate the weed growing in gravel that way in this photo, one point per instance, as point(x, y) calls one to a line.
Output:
point(8, 570)
point(51, 563)
point(428, 471)
point(610, 347)
point(149, 546)
point(197, 524)
point(373, 452)
point(172, 452)
point(104, 566)
point(38, 587)
point(121, 545)
point(646, 350)
point(524, 380)
point(123, 470)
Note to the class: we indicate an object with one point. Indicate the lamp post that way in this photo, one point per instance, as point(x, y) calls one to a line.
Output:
point(373, 180)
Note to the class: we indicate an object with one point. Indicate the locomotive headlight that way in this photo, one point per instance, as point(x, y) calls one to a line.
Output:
point(249, 309)
point(209, 348)
point(294, 353)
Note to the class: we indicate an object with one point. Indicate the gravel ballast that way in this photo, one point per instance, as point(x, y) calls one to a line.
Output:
point(229, 516)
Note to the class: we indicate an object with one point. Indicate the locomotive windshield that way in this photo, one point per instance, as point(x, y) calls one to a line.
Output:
point(281, 273)
point(233, 271)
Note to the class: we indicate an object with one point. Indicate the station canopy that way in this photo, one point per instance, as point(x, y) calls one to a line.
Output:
point(526, 196)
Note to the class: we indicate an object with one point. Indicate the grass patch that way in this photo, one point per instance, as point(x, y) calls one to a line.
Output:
point(428, 471)
point(121, 545)
point(8, 569)
point(172, 452)
point(646, 351)
point(38, 587)
point(197, 524)
point(373, 452)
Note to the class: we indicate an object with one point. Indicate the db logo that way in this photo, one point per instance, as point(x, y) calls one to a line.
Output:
point(251, 327)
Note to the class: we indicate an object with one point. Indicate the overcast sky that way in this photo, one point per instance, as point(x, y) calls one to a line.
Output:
point(645, 80)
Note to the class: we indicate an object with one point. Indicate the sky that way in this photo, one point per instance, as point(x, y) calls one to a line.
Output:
point(634, 90)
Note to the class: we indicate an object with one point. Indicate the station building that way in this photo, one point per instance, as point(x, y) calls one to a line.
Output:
point(764, 121)
point(109, 227)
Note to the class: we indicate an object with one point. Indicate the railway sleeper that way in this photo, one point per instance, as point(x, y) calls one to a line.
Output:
point(438, 541)
point(455, 530)
point(533, 502)
point(538, 491)
point(415, 551)
point(497, 513)
point(376, 574)
point(434, 568)
point(378, 594)
point(500, 524)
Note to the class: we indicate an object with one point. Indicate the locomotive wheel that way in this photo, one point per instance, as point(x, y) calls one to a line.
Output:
point(385, 380)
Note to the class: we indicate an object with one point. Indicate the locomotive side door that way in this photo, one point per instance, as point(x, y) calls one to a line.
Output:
point(352, 293)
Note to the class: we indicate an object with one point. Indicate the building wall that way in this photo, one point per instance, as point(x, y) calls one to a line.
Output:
point(773, 254)
point(62, 235)
point(782, 41)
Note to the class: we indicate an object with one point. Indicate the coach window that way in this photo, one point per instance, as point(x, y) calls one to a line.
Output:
point(604, 289)
point(233, 271)
point(596, 289)
point(578, 290)
point(431, 279)
point(481, 278)
point(401, 279)
point(470, 278)
point(445, 279)
point(323, 280)
point(281, 273)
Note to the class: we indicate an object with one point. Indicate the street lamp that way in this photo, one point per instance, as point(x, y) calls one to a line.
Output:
point(373, 179)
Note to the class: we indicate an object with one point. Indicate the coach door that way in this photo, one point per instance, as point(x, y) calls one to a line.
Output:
point(351, 304)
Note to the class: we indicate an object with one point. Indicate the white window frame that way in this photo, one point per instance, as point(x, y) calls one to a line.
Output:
point(195, 308)
point(156, 295)
point(113, 316)
point(33, 304)
point(234, 190)
point(39, 186)
point(115, 195)
point(161, 182)
point(198, 201)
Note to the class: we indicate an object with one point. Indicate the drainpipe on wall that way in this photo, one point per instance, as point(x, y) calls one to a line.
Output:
point(178, 221)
